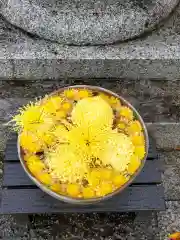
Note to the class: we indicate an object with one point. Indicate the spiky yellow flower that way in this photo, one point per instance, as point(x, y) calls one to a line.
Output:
point(52, 104)
point(92, 112)
point(30, 142)
point(29, 116)
point(61, 133)
point(117, 151)
point(66, 163)
point(60, 115)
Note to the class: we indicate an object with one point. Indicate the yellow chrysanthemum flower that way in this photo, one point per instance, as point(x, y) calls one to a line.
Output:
point(45, 178)
point(134, 164)
point(138, 140)
point(117, 151)
point(106, 174)
point(35, 165)
point(88, 192)
point(52, 104)
point(104, 189)
point(29, 116)
point(83, 93)
point(61, 133)
point(119, 180)
point(67, 163)
point(140, 151)
point(126, 112)
point(73, 190)
point(56, 187)
point(121, 125)
point(112, 101)
point(66, 106)
point(30, 142)
point(134, 127)
point(92, 112)
point(60, 115)
point(70, 93)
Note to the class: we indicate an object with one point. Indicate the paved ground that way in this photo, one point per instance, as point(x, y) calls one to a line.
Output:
point(108, 226)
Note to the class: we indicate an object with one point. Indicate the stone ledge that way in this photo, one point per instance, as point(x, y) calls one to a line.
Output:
point(155, 56)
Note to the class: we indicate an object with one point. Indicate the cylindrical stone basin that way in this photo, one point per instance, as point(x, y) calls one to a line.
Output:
point(86, 22)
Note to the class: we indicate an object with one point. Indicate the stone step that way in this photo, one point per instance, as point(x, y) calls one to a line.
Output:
point(154, 56)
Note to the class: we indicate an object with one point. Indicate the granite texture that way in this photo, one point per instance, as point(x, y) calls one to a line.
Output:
point(157, 101)
point(81, 226)
point(86, 22)
point(167, 135)
point(170, 166)
point(155, 56)
point(169, 221)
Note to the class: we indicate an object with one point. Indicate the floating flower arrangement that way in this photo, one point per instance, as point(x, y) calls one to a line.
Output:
point(80, 143)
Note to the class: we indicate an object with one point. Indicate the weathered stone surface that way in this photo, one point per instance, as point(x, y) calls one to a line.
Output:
point(95, 226)
point(157, 101)
point(167, 135)
point(3, 138)
point(169, 221)
point(6, 68)
point(170, 164)
point(86, 22)
point(10, 229)
point(153, 57)
point(8, 107)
